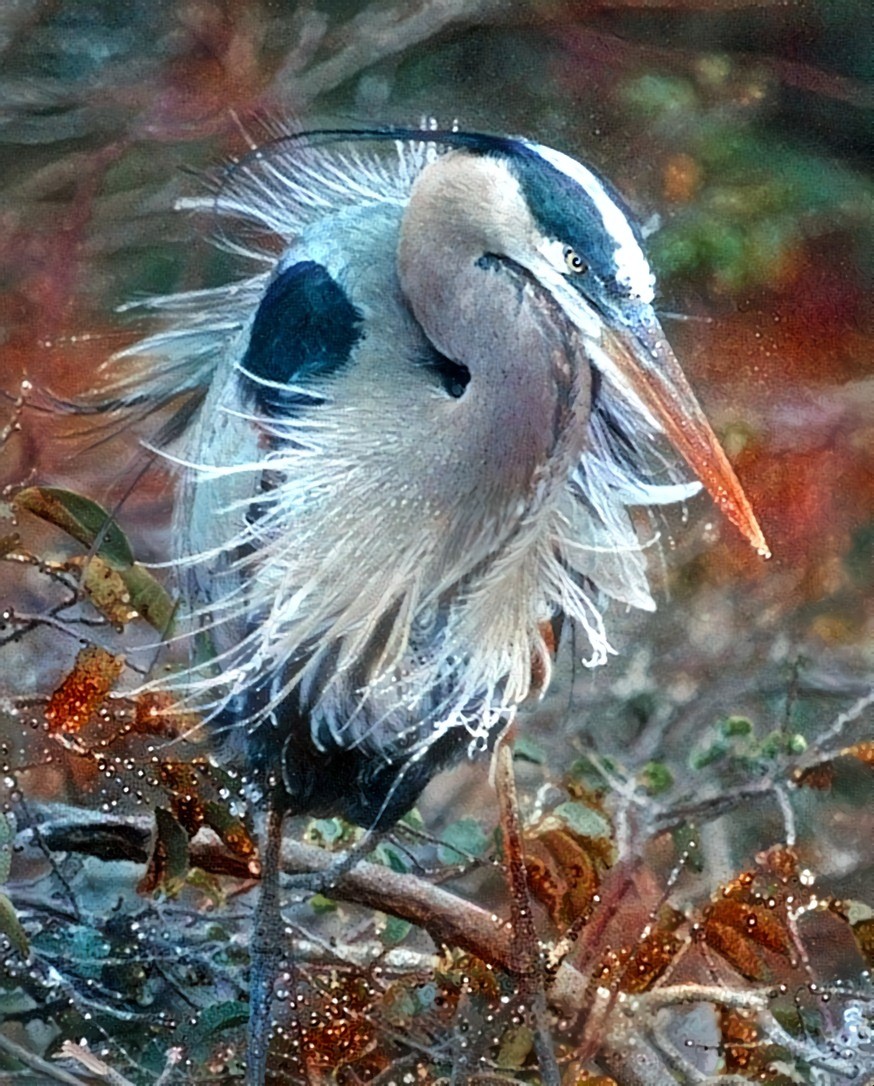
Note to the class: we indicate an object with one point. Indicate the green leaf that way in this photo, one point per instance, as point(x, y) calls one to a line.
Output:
point(81, 518)
point(394, 930)
point(413, 819)
point(583, 820)
point(734, 726)
point(7, 832)
point(525, 749)
point(700, 759)
point(10, 926)
point(149, 598)
point(516, 1046)
point(94, 528)
point(656, 778)
point(461, 840)
point(326, 832)
point(169, 863)
point(687, 845)
point(390, 858)
point(796, 744)
point(229, 1014)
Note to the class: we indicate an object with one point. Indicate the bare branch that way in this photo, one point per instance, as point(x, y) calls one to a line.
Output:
point(36, 1063)
point(374, 35)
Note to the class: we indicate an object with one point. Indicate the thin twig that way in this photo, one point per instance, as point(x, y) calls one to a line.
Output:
point(94, 1064)
point(531, 976)
point(37, 1063)
point(376, 34)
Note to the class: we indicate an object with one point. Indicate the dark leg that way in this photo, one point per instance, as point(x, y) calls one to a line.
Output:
point(265, 949)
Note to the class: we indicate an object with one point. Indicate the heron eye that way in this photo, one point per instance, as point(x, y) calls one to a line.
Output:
point(574, 261)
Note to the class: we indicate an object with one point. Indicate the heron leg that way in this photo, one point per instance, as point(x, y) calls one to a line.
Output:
point(265, 948)
point(529, 965)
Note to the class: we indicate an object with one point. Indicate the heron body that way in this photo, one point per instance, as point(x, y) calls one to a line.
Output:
point(413, 442)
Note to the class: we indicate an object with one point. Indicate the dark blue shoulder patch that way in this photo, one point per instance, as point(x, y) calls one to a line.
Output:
point(305, 328)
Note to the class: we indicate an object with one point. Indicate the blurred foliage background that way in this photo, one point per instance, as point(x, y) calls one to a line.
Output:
point(741, 134)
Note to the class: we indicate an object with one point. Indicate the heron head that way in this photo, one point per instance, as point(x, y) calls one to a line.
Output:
point(520, 203)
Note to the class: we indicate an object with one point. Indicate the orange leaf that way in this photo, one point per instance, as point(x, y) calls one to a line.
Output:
point(82, 694)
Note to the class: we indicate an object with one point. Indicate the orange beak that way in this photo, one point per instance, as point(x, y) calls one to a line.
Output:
point(649, 370)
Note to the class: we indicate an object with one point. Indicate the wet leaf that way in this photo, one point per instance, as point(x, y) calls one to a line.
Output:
point(818, 777)
point(748, 1054)
point(229, 1014)
point(564, 872)
point(7, 833)
point(516, 1045)
point(737, 950)
point(739, 931)
point(461, 840)
point(649, 960)
point(9, 543)
point(156, 713)
point(337, 1028)
point(149, 598)
point(230, 829)
point(394, 930)
point(583, 820)
point(83, 692)
point(863, 751)
point(81, 518)
point(105, 588)
point(183, 787)
point(10, 926)
point(740, 1035)
point(168, 865)
point(94, 528)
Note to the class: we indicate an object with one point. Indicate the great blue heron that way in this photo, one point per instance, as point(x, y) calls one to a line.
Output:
point(411, 447)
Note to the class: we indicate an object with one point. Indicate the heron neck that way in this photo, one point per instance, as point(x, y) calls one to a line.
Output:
point(520, 427)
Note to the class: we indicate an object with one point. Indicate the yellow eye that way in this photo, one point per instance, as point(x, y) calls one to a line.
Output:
point(574, 261)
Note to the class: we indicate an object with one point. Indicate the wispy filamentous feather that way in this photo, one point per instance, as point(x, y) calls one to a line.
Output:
point(365, 628)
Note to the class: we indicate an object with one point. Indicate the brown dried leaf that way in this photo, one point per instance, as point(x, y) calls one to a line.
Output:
point(649, 960)
point(577, 1075)
point(83, 692)
point(157, 713)
point(565, 869)
point(9, 543)
point(819, 777)
point(105, 588)
point(744, 1050)
point(738, 931)
point(740, 1035)
point(183, 787)
point(736, 949)
point(337, 1024)
point(779, 860)
point(864, 751)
